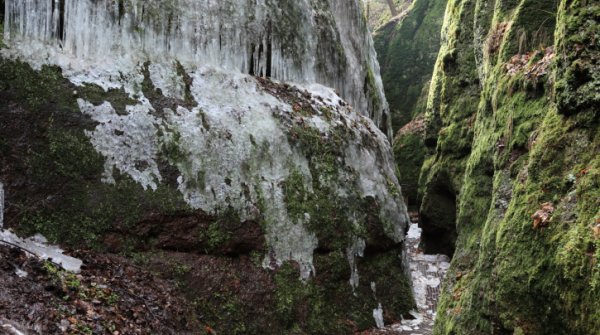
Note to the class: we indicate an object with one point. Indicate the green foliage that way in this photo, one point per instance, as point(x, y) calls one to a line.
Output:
point(314, 308)
point(64, 154)
point(226, 310)
point(217, 233)
point(2, 45)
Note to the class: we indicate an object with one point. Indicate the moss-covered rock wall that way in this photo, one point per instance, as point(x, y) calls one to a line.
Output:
point(407, 47)
point(513, 120)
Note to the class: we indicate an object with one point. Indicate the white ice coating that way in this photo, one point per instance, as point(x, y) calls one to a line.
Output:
point(235, 155)
point(38, 246)
point(375, 182)
point(232, 150)
point(378, 316)
point(357, 249)
point(303, 41)
point(128, 142)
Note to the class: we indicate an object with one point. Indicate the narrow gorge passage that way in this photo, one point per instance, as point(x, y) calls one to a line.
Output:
point(427, 274)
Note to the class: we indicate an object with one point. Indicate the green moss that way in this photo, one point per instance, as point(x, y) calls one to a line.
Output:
point(64, 198)
point(218, 232)
point(326, 211)
point(407, 50)
point(301, 307)
point(2, 45)
point(409, 151)
point(526, 151)
point(371, 90)
point(314, 308)
point(225, 311)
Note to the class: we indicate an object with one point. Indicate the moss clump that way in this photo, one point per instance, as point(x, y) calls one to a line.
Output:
point(577, 86)
point(328, 304)
point(371, 89)
point(409, 150)
point(1, 33)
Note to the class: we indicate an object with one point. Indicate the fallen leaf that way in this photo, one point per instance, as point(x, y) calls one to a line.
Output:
point(596, 232)
point(541, 218)
point(583, 172)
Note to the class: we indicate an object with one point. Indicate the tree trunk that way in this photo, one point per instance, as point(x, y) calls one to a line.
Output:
point(393, 8)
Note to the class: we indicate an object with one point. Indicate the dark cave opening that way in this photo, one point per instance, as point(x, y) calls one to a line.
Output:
point(438, 220)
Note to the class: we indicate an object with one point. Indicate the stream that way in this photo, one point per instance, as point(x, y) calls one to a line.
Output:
point(427, 274)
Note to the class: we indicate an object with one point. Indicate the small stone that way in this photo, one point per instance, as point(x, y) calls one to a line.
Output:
point(64, 325)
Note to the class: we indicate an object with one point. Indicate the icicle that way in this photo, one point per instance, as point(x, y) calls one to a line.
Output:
point(244, 36)
point(378, 316)
point(38, 246)
point(357, 249)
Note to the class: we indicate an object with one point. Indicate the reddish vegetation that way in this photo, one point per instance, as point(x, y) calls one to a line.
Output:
point(531, 69)
point(541, 218)
point(416, 126)
point(496, 37)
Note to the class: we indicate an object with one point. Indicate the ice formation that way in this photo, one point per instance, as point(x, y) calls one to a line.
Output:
point(235, 154)
point(232, 149)
point(128, 142)
point(9, 328)
point(304, 41)
point(378, 316)
point(357, 249)
point(427, 273)
point(38, 246)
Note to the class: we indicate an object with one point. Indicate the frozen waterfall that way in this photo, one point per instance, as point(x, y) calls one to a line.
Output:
point(303, 41)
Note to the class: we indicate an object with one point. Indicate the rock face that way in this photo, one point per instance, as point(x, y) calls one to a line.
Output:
point(138, 126)
point(513, 118)
point(407, 48)
point(264, 38)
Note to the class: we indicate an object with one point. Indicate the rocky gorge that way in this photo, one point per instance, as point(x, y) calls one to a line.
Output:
point(248, 167)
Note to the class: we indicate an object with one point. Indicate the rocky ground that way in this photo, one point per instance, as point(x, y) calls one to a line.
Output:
point(111, 295)
point(116, 295)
